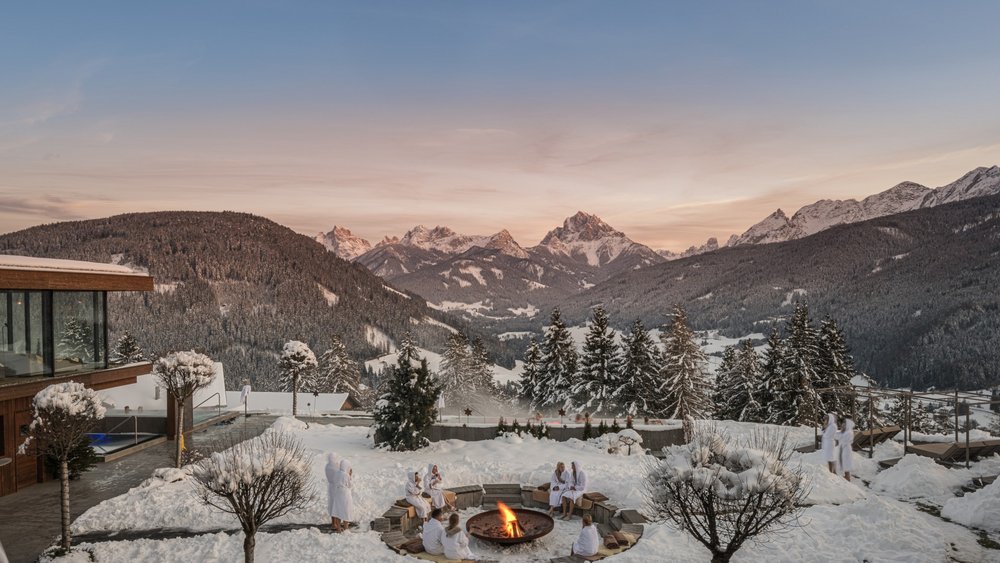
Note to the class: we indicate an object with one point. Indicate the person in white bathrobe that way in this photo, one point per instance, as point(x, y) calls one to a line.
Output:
point(845, 438)
point(455, 540)
point(343, 495)
point(332, 469)
point(433, 482)
point(589, 541)
point(827, 444)
point(557, 485)
point(433, 532)
point(575, 491)
point(414, 490)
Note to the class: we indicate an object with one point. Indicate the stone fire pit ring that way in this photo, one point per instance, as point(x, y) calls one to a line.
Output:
point(534, 524)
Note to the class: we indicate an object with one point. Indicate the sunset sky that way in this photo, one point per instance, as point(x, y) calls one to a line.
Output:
point(674, 121)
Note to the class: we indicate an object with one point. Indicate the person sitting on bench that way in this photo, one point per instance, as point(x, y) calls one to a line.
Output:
point(589, 541)
point(413, 492)
point(433, 532)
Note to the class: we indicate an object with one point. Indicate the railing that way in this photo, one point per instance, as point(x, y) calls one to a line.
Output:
point(135, 428)
point(218, 405)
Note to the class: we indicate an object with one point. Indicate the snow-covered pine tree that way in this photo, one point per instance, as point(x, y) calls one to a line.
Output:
point(337, 372)
point(796, 401)
point(481, 368)
point(76, 341)
point(683, 379)
point(558, 366)
point(298, 370)
point(726, 383)
point(771, 376)
point(836, 367)
point(409, 406)
point(456, 367)
point(530, 373)
point(127, 351)
point(736, 382)
point(637, 393)
point(600, 366)
point(868, 412)
point(896, 414)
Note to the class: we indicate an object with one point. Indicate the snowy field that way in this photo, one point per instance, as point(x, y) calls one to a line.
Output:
point(843, 522)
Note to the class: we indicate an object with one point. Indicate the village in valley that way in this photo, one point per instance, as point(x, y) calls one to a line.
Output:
point(228, 331)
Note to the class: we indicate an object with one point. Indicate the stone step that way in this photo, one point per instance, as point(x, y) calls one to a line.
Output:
point(506, 499)
point(635, 529)
point(631, 516)
point(617, 523)
point(466, 489)
point(502, 489)
point(493, 506)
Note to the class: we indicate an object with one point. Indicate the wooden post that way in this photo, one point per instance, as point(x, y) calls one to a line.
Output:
point(871, 425)
point(967, 432)
point(956, 415)
point(907, 433)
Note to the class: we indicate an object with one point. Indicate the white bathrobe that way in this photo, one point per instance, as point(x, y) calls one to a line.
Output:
point(343, 494)
point(846, 440)
point(578, 483)
point(431, 536)
point(432, 483)
point(456, 545)
point(557, 487)
point(332, 470)
point(829, 434)
point(588, 542)
point(413, 492)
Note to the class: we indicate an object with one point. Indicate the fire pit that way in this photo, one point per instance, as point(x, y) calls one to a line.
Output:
point(509, 526)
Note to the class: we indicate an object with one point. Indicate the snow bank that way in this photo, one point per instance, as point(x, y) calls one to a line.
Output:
point(980, 509)
point(825, 487)
point(918, 477)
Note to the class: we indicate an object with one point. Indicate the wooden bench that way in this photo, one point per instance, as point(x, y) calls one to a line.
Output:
point(874, 436)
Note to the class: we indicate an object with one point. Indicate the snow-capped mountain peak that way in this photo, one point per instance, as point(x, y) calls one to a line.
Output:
point(343, 243)
point(773, 228)
point(505, 243)
point(586, 237)
point(442, 239)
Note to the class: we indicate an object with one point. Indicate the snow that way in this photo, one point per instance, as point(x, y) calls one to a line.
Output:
point(791, 295)
point(705, 297)
point(71, 397)
point(331, 297)
point(474, 271)
point(980, 509)
point(276, 402)
point(143, 394)
point(500, 373)
point(396, 291)
point(916, 477)
point(528, 310)
point(514, 335)
point(14, 262)
point(166, 288)
point(435, 322)
point(379, 339)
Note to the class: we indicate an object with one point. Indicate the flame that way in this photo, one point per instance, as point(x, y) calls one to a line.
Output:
point(510, 521)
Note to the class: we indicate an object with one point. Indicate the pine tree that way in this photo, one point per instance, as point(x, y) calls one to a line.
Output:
point(684, 382)
point(530, 373)
point(337, 372)
point(456, 367)
point(737, 380)
point(835, 368)
point(558, 365)
point(796, 400)
point(637, 393)
point(994, 426)
point(869, 410)
point(76, 341)
point(726, 381)
point(771, 376)
point(481, 368)
point(127, 351)
point(298, 370)
point(600, 366)
point(408, 408)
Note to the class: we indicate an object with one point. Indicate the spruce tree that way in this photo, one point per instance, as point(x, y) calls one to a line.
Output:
point(127, 351)
point(76, 342)
point(455, 371)
point(337, 372)
point(835, 368)
point(684, 382)
point(736, 382)
point(558, 365)
point(725, 384)
point(530, 373)
point(600, 366)
point(771, 376)
point(409, 407)
point(796, 401)
point(481, 368)
point(637, 393)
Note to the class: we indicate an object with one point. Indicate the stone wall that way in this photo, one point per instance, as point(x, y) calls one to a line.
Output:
point(651, 439)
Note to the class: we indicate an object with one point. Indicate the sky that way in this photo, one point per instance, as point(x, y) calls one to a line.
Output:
point(673, 121)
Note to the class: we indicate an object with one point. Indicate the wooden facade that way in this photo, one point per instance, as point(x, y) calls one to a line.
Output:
point(72, 281)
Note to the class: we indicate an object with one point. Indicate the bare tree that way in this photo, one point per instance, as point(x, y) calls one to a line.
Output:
point(62, 414)
point(726, 492)
point(298, 369)
point(256, 481)
point(628, 438)
point(182, 374)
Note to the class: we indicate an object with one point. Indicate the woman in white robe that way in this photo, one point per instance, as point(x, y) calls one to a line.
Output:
point(827, 442)
point(343, 499)
point(455, 540)
point(432, 483)
point(576, 489)
point(845, 438)
point(332, 469)
point(557, 485)
point(589, 541)
point(414, 490)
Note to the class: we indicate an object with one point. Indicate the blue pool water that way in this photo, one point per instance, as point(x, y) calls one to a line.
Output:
point(110, 443)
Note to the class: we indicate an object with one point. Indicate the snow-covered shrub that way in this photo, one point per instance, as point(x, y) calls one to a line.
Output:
point(127, 351)
point(628, 438)
point(298, 370)
point(725, 492)
point(408, 407)
point(256, 481)
point(182, 374)
point(62, 414)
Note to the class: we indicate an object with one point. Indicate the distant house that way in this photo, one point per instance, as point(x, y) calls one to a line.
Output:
point(280, 402)
point(53, 328)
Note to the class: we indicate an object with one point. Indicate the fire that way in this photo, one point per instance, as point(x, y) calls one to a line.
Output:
point(511, 526)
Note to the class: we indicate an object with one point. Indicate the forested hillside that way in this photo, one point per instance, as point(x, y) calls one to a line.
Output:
point(237, 286)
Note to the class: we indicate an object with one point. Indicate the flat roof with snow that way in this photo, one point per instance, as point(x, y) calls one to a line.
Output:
point(30, 272)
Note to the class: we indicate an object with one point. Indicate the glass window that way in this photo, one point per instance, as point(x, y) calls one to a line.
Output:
point(78, 330)
point(22, 342)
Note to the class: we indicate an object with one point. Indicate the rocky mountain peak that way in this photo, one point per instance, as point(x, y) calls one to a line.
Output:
point(343, 243)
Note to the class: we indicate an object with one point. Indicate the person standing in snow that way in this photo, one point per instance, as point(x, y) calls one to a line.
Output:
point(343, 500)
point(827, 442)
point(433, 532)
point(332, 469)
point(455, 540)
point(575, 491)
point(557, 485)
point(414, 490)
point(432, 481)
point(845, 438)
point(589, 541)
